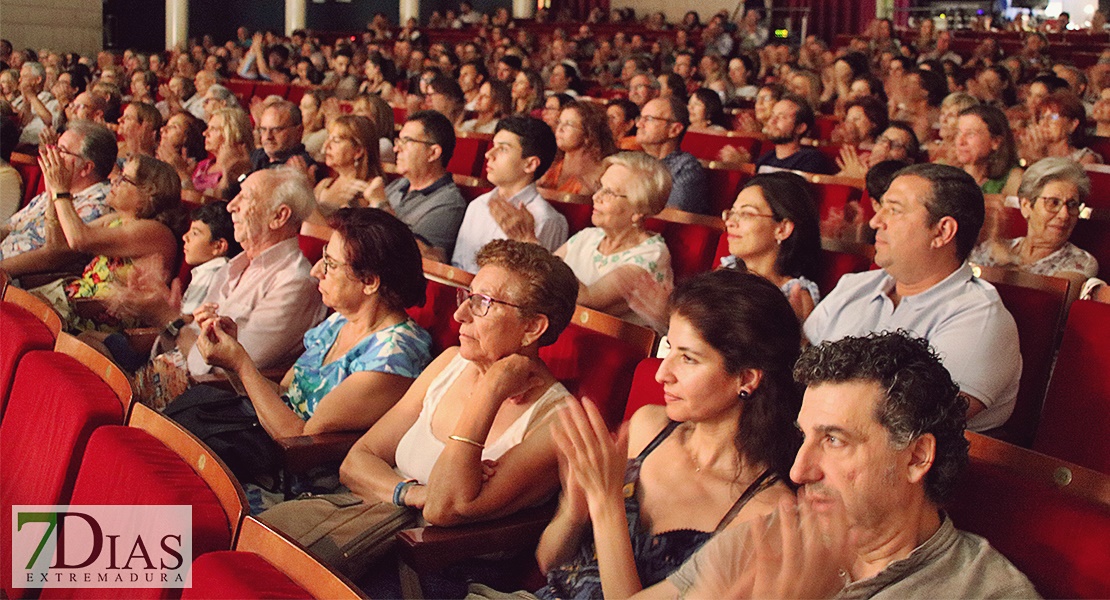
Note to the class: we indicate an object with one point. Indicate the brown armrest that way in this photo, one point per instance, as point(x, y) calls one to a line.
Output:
point(32, 280)
point(304, 452)
point(431, 549)
point(142, 338)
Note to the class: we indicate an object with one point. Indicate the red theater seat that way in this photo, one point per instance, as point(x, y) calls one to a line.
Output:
point(724, 184)
point(152, 462)
point(1049, 517)
point(28, 324)
point(57, 400)
point(645, 389)
point(691, 239)
point(1093, 235)
point(579, 215)
point(437, 315)
point(1100, 186)
point(595, 357)
point(1075, 422)
point(707, 146)
point(469, 157)
point(264, 89)
point(265, 564)
point(29, 171)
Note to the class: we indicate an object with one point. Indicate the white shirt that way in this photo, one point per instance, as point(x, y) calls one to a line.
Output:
point(200, 280)
point(31, 130)
point(478, 227)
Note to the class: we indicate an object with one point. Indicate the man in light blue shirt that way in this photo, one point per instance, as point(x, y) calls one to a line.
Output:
point(927, 223)
point(523, 149)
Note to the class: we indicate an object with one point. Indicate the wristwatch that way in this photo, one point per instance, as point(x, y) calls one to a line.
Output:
point(175, 327)
point(63, 195)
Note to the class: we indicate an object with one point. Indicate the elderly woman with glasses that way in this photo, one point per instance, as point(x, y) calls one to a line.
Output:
point(584, 140)
point(1060, 130)
point(634, 187)
point(1052, 193)
point(489, 399)
point(359, 361)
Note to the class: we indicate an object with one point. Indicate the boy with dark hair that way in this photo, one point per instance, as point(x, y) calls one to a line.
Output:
point(523, 149)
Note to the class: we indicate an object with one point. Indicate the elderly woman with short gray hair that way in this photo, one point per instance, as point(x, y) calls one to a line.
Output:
point(1052, 193)
point(634, 186)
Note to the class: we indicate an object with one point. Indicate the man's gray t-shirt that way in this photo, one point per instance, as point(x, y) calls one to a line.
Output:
point(434, 213)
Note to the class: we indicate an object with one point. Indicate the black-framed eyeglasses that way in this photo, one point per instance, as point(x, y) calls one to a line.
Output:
point(407, 140)
point(121, 178)
point(59, 148)
point(479, 304)
point(742, 215)
point(1052, 205)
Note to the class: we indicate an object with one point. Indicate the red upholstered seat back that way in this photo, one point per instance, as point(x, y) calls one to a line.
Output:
point(29, 171)
point(295, 93)
point(692, 245)
point(835, 264)
point(645, 389)
point(706, 146)
point(262, 89)
point(23, 332)
point(311, 247)
point(579, 216)
point(1075, 422)
point(55, 405)
point(594, 365)
point(1057, 539)
point(243, 90)
point(469, 157)
point(239, 575)
point(126, 465)
point(1094, 237)
point(835, 197)
point(437, 316)
point(1100, 186)
point(724, 184)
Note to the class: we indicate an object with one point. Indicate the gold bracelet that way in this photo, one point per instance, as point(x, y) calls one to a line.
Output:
point(459, 438)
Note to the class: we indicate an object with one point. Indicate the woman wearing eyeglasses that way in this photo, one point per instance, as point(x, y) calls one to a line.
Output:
point(471, 439)
point(1052, 193)
point(584, 139)
point(634, 187)
point(359, 361)
point(1060, 131)
point(773, 231)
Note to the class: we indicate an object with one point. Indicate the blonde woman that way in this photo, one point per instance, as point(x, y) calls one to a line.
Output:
point(230, 139)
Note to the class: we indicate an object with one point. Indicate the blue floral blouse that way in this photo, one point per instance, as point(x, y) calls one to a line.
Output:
point(403, 349)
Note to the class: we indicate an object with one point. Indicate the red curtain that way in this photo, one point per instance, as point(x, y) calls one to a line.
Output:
point(829, 18)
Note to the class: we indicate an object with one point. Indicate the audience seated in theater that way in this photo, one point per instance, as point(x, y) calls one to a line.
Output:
point(882, 423)
point(490, 399)
point(864, 120)
point(315, 121)
point(622, 116)
point(563, 80)
point(791, 120)
point(493, 103)
point(339, 80)
point(35, 107)
point(11, 184)
point(180, 94)
point(927, 223)
point(280, 131)
point(358, 362)
point(583, 138)
point(181, 145)
point(672, 85)
point(425, 197)
point(707, 114)
point(89, 151)
point(144, 85)
point(740, 76)
point(87, 106)
point(1060, 131)
point(1052, 192)
point(943, 149)
point(634, 508)
point(145, 222)
point(380, 114)
point(552, 106)
point(523, 149)
point(352, 153)
point(527, 91)
point(138, 131)
point(985, 149)
point(897, 142)
point(267, 290)
point(472, 75)
point(643, 88)
point(215, 98)
point(659, 131)
point(446, 97)
point(380, 74)
point(229, 140)
point(617, 248)
point(919, 100)
point(1100, 114)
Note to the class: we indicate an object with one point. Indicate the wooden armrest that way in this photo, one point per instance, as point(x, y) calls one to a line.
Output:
point(304, 452)
point(32, 280)
point(142, 338)
point(217, 379)
point(431, 549)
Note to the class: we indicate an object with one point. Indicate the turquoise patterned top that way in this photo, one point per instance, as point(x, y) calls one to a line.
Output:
point(403, 349)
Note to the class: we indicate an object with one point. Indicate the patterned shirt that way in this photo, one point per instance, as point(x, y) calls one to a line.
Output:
point(1068, 259)
point(28, 226)
point(689, 190)
point(403, 349)
point(589, 264)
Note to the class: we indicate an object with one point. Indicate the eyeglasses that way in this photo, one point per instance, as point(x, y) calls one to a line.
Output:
point(742, 215)
point(895, 144)
point(407, 140)
point(609, 193)
point(69, 152)
point(643, 118)
point(1052, 205)
point(329, 263)
point(121, 179)
point(479, 303)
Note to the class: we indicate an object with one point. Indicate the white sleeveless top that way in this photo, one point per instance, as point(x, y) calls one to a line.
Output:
point(419, 448)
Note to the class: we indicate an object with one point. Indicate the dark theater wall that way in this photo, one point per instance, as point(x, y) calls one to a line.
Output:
point(221, 18)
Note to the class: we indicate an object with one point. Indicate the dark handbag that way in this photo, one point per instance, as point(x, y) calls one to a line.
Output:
point(227, 423)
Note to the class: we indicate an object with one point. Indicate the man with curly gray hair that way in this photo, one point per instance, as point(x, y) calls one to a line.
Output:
point(883, 444)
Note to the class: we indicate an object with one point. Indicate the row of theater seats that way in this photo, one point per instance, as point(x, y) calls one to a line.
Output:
point(601, 357)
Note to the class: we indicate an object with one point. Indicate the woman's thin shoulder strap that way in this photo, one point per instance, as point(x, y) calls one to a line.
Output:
point(659, 437)
point(764, 481)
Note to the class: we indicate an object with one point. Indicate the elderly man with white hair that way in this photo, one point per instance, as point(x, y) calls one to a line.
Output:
point(37, 109)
